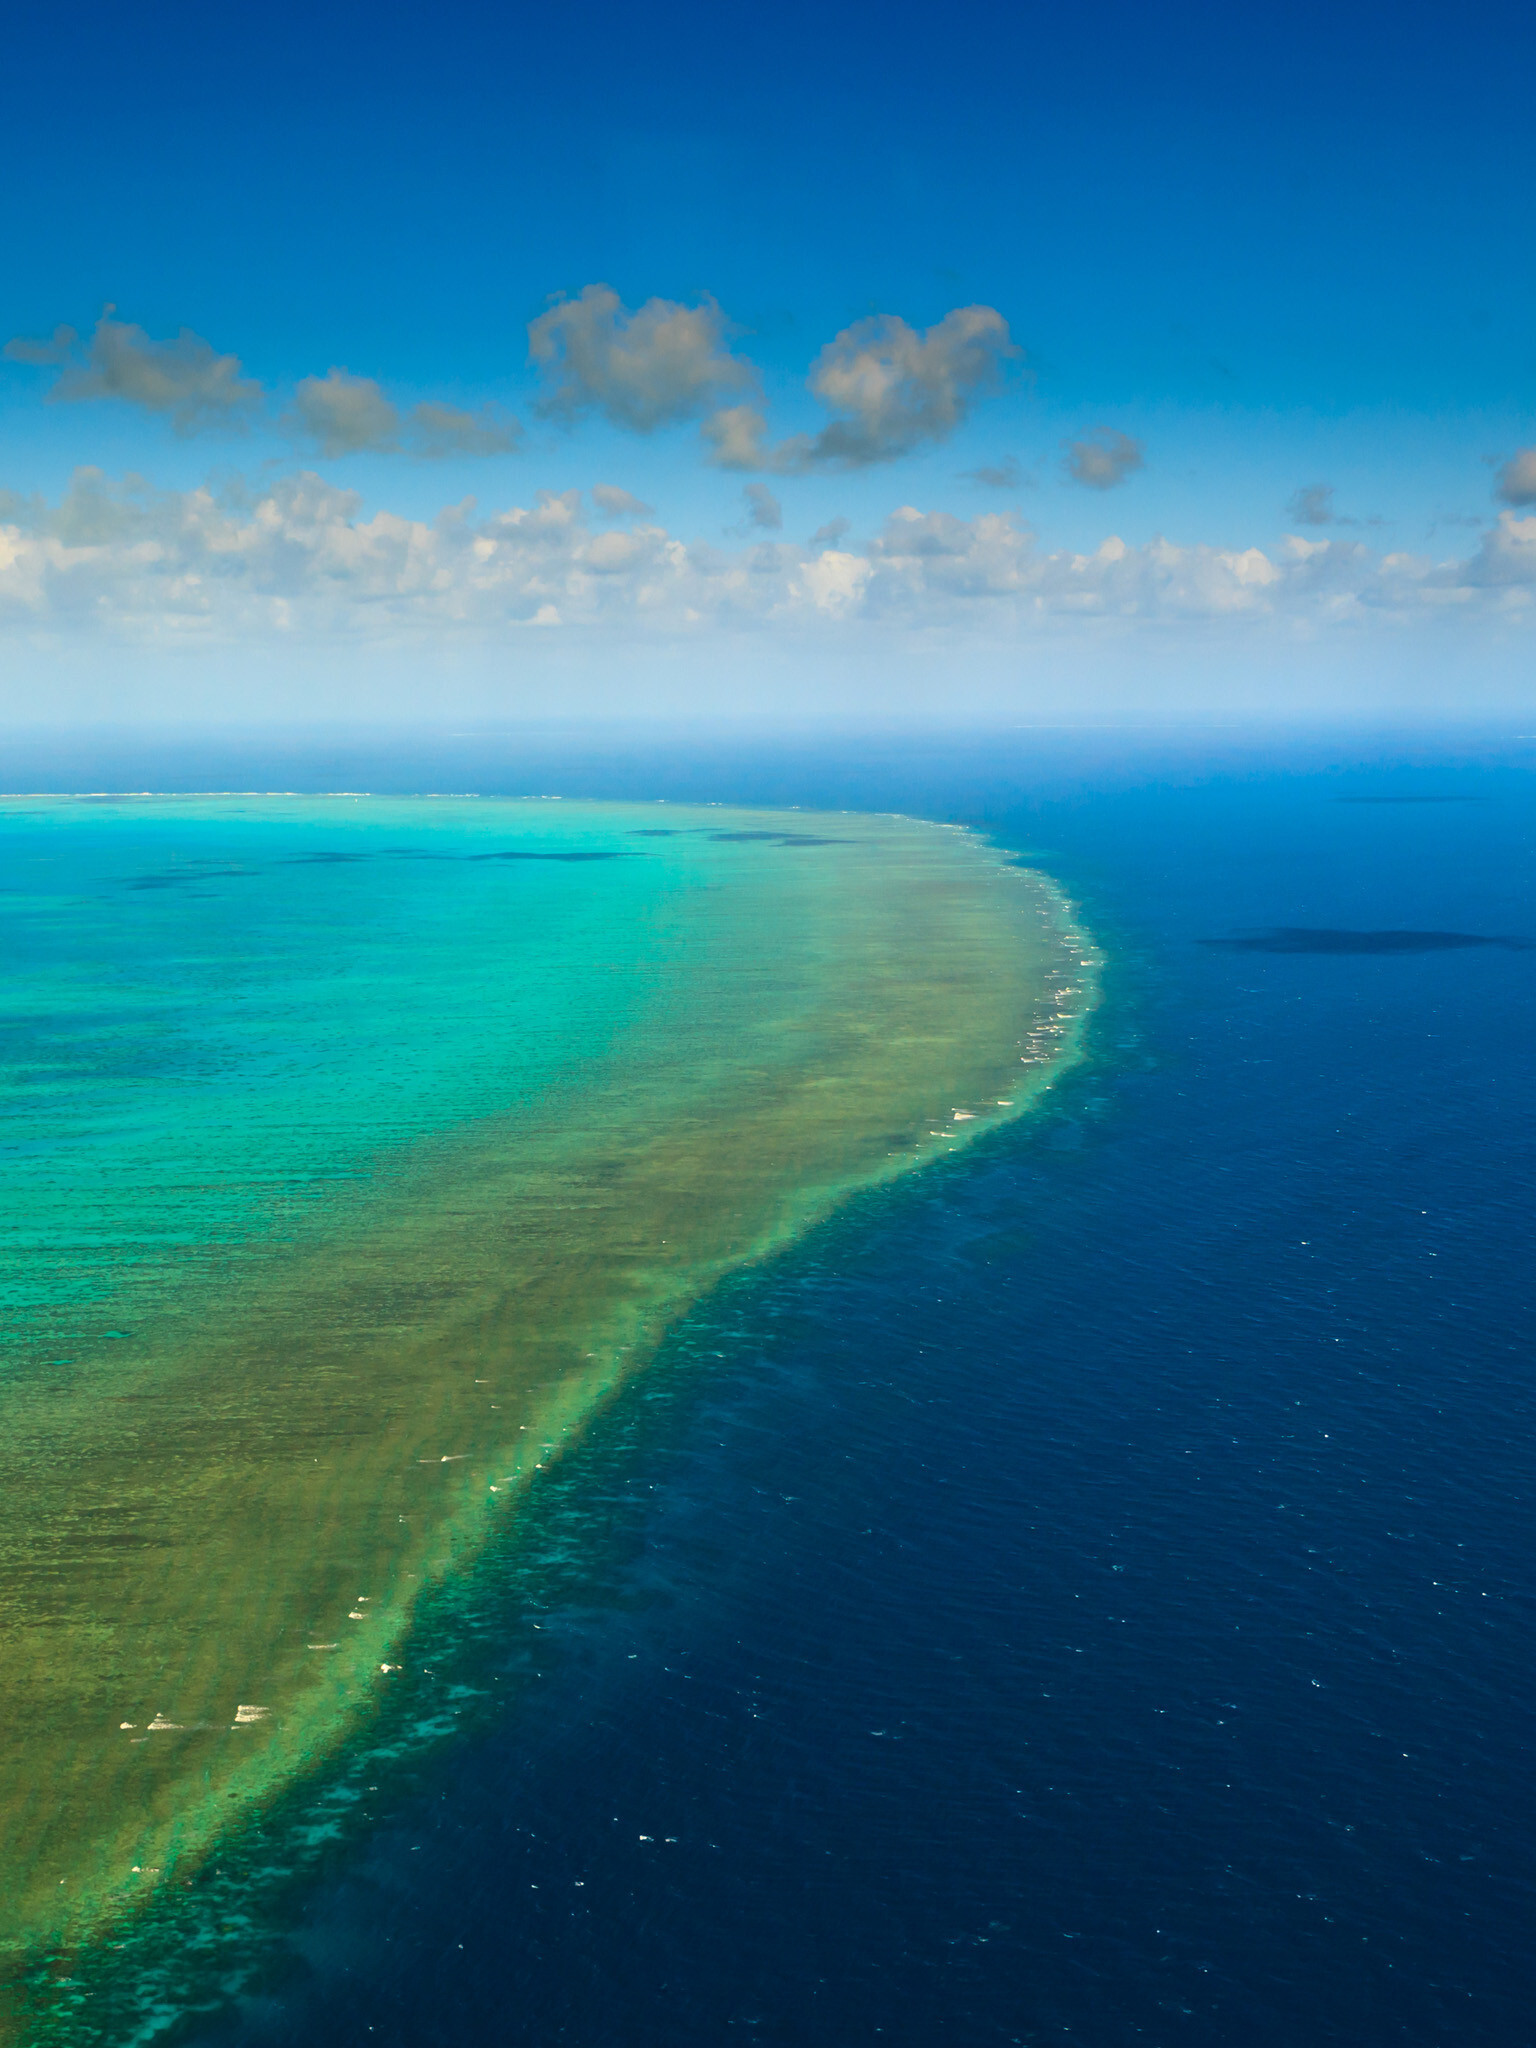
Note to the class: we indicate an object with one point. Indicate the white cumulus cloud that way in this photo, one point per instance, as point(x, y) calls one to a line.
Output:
point(345, 415)
point(998, 476)
point(620, 504)
point(1506, 555)
point(185, 380)
point(440, 430)
point(1105, 459)
point(41, 354)
point(1312, 505)
point(301, 556)
point(889, 389)
point(830, 535)
point(1515, 483)
point(763, 508)
point(651, 368)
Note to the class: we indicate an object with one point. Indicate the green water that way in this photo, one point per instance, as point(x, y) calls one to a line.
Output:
point(220, 1010)
point(355, 1149)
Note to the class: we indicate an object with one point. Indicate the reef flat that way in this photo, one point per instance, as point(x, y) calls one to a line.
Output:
point(358, 1149)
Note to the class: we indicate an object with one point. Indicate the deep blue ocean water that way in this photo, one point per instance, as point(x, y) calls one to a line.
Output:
point(1084, 1592)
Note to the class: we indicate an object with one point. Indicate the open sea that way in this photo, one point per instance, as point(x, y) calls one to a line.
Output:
point(1083, 1592)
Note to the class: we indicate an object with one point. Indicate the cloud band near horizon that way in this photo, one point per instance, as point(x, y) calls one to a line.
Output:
point(300, 558)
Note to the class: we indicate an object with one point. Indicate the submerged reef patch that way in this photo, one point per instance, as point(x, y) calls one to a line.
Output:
point(329, 1223)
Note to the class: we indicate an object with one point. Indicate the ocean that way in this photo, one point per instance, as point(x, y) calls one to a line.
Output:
point(1081, 1591)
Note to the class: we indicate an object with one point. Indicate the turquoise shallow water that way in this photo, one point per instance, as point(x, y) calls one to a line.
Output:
point(359, 1152)
point(218, 1012)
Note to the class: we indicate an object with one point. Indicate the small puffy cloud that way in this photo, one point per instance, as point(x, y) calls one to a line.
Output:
point(41, 354)
point(186, 380)
point(195, 387)
point(763, 508)
point(1107, 458)
point(997, 476)
point(439, 430)
point(1312, 505)
point(836, 584)
point(893, 389)
point(829, 535)
point(345, 415)
point(889, 388)
point(1515, 483)
point(735, 434)
point(1506, 555)
point(642, 370)
point(620, 504)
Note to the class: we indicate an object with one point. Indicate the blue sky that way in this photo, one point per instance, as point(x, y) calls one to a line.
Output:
point(1245, 276)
